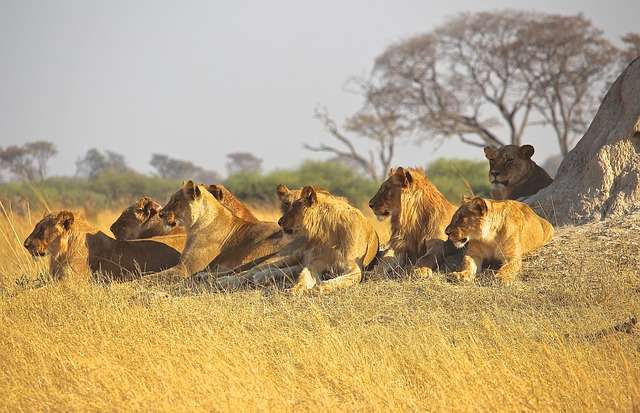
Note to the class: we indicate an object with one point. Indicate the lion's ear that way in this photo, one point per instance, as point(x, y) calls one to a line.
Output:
point(479, 205)
point(526, 151)
point(309, 195)
point(489, 152)
point(216, 191)
point(466, 198)
point(404, 175)
point(282, 190)
point(151, 207)
point(391, 171)
point(192, 190)
point(65, 219)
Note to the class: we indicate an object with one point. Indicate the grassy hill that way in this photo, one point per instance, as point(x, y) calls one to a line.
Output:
point(547, 343)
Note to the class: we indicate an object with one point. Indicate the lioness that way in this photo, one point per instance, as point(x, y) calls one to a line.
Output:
point(77, 249)
point(338, 241)
point(141, 220)
point(501, 231)
point(419, 215)
point(217, 239)
point(513, 174)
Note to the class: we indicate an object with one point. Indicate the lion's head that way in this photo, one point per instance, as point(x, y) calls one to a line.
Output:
point(131, 223)
point(468, 222)
point(386, 201)
point(292, 220)
point(509, 165)
point(184, 206)
point(47, 232)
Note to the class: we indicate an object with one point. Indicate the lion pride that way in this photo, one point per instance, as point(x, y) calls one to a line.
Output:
point(513, 174)
point(501, 231)
point(419, 215)
point(76, 250)
point(340, 242)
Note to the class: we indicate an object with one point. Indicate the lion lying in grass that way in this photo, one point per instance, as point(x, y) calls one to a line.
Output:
point(500, 231)
point(217, 240)
point(513, 174)
point(419, 215)
point(140, 220)
point(76, 250)
point(340, 242)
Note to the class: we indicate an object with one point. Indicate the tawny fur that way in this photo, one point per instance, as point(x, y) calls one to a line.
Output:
point(419, 215)
point(217, 240)
point(496, 231)
point(340, 241)
point(78, 250)
point(512, 173)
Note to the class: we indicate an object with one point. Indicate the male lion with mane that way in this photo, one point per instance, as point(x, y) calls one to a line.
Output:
point(419, 215)
point(512, 173)
point(77, 249)
point(340, 242)
point(501, 231)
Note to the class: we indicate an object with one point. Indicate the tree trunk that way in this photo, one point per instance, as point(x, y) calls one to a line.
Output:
point(600, 177)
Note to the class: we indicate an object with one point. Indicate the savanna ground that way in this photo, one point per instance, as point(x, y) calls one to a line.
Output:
point(546, 343)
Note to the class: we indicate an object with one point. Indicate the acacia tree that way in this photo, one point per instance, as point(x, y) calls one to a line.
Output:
point(484, 78)
point(28, 162)
point(378, 120)
point(569, 62)
point(243, 162)
point(171, 168)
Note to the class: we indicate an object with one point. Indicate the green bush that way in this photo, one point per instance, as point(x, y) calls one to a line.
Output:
point(335, 177)
point(457, 177)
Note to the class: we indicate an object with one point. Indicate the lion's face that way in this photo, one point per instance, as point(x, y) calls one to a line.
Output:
point(131, 222)
point(180, 208)
point(509, 164)
point(386, 201)
point(467, 223)
point(47, 232)
point(292, 220)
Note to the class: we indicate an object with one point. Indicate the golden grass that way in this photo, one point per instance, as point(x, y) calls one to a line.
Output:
point(383, 345)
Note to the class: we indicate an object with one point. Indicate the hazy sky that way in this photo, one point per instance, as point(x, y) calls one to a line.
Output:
point(199, 79)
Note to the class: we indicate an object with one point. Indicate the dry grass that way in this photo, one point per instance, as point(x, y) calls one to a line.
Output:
point(384, 345)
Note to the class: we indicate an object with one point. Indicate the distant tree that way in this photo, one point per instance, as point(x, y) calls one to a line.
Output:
point(95, 163)
point(485, 77)
point(29, 161)
point(569, 62)
point(41, 152)
point(378, 120)
point(243, 162)
point(179, 169)
point(631, 49)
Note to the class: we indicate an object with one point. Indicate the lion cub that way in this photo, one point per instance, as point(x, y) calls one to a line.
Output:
point(419, 215)
point(513, 174)
point(338, 241)
point(496, 231)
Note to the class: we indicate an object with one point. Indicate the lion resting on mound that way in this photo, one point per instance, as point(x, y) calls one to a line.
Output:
point(141, 220)
point(513, 174)
point(217, 240)
point(501, 231)
point(340, 242)
point(419, 215)
point(77, 249)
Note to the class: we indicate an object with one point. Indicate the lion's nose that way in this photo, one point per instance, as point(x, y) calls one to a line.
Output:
point(27, 244)
point(371, 204)
point(494, 173)
point(448, 230)
point(281, 221)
